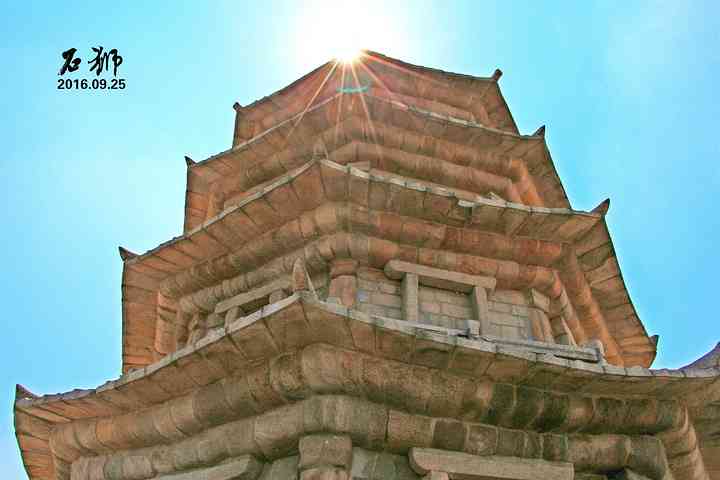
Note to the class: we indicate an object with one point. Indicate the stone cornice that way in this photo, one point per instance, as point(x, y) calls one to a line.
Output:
point(321, 181)
point(384, 113)
point(401, 78)
point(259, 337)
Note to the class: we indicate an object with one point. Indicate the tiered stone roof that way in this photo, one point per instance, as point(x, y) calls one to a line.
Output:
point(468, 143)
point(381, 167)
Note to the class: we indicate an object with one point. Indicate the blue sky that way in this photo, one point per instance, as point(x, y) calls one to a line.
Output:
point(628, 91)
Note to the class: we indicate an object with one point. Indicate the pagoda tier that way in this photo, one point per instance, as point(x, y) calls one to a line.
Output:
point(381, 279)
point(249, 396)
point(565, 254)
point(366, 125)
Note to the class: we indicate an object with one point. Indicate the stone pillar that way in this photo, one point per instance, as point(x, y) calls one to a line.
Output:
point(538, 316)
point(410, 291)
point(479, 301)
point(343, 281)
point(325, 457)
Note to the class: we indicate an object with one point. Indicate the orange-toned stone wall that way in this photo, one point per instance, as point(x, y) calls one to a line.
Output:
point(444, 308)
point(378, 295)
point(509, 315)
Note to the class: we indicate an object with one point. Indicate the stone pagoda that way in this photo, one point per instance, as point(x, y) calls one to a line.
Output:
point(381, 279)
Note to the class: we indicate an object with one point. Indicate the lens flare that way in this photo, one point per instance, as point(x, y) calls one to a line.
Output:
point(346, 51)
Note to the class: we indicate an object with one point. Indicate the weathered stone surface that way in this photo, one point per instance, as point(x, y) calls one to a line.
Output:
point(626, 474)
point(325, 450)
point(447, 217)
point(324, 473)
point(461, 465)
point(369, 465)
point(281, 469)
point(243, 468)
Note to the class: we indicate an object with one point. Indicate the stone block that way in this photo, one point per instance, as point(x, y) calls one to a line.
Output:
point(368, 285)
point(449, 434)
point(388, 288)
point(324, 473)
point(436, 476)
point(511, 443)
point(507, 296)
point(344, 287)
point(499, 307)
point(404, 430)
point(455, 311)
point(369, 465)
point(276, 432)
point(325, 450)
point(466, 466)
point(430, 307)
point(482, 440)
point(427, 294)
point(409, 288)
point(626, 474)
point(438, 278)
point(281, 469)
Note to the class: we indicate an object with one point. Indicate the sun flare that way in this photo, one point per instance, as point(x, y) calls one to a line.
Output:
point(341, 30)
point(347, 53)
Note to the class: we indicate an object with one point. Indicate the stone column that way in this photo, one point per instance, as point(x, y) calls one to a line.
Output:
point(410, 292)
point(343, 281)
point(479, 301)
point(538, 316)
point(325, 457)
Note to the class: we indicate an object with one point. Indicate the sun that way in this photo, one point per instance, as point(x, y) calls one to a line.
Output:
point(343, 29)
point(347, 53)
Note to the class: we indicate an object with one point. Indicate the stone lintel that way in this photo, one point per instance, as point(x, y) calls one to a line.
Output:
point(246, 297)
point(246, 467)
point(469, 467)
point(435, 277)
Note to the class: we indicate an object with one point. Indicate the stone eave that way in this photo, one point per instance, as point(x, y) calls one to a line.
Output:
point(295, 92)
point(558, 225)
point(465, 201)
point(489, 83)
point(293, 134)
point(253, 339)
